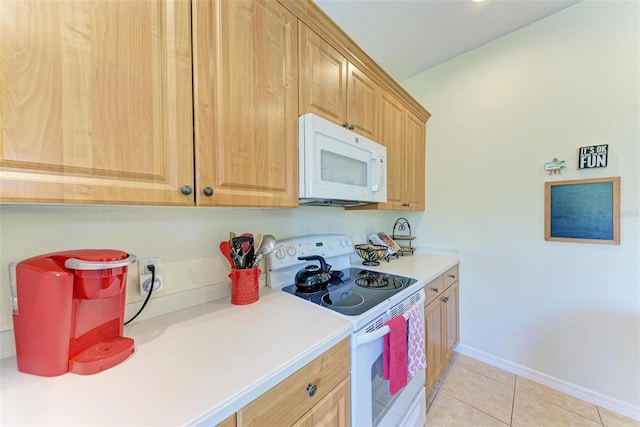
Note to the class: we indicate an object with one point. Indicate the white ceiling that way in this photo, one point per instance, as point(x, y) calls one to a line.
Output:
point(407, 37)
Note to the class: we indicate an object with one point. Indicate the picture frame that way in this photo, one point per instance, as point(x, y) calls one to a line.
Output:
point(381, 238)
point(583, 211)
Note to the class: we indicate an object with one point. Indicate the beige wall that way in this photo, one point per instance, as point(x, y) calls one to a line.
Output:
point(567, 312)
point(186, 239)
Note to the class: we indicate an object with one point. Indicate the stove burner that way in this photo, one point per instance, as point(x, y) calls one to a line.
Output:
point(344, 299)
point(374, 280)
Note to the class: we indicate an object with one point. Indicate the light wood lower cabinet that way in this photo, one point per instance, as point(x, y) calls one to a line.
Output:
point(332, 411)
point(316, 395)
point(442, 332)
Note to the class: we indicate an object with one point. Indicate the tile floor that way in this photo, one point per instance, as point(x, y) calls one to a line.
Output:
point(474, 394)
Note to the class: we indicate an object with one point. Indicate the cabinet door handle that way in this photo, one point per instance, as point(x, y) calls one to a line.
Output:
point(435, 290)
point(406, 205)
point(208, 191)
point(311, 389)
point(345, 125)
point(445, 299)
point(186, 190)
point(352, 126)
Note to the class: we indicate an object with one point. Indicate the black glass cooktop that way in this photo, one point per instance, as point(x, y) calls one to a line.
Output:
point(356, 292)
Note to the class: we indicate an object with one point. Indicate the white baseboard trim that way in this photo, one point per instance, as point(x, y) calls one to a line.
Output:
point(599, 399)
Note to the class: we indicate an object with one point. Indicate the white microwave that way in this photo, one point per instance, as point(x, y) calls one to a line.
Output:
point(338, 167)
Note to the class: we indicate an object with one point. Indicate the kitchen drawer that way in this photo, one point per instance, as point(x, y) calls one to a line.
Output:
point(450, 276)
point(433, 289)
point(288, 401)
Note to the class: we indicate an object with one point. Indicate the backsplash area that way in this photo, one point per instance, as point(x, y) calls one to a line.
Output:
point(185, 238)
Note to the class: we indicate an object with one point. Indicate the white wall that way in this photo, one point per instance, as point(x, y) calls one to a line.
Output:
point(186, 239)
point(566, 310)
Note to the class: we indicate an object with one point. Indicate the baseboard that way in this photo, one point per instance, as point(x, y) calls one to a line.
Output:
point(599, 399)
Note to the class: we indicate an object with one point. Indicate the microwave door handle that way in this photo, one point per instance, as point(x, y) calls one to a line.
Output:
point(376, 178)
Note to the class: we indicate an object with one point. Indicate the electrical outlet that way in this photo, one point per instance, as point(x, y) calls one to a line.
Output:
point(144, 275)
point(144, 262)
point(145, 283)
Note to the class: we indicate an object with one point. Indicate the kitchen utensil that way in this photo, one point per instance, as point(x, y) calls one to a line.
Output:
point(241, 247)
point(313, 277)
point(226, 249)
point(231, 236)
point(268, 245)
point(371, 253)
point(257, 241)
point(247, 251)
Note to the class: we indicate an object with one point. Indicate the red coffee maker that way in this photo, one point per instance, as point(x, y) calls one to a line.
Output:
point(68, 311)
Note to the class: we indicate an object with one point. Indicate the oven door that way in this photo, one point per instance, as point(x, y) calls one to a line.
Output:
point(371, 402)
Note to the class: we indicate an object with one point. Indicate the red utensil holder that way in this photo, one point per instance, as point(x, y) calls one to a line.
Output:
point(244, 285)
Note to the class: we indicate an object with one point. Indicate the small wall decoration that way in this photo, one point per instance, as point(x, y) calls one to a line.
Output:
point(584, 211)
point(555, 166)
point(594, 156)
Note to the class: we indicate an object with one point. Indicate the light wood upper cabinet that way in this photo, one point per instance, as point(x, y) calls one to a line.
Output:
point(334, 88)
point(392, 136)
point(246, 106)
point(96, 101)
point(413, 197)
point(403, 133)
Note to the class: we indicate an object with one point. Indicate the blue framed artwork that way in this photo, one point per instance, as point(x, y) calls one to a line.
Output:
point(584, 211)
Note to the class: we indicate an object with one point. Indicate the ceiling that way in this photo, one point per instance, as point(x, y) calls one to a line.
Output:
point(406, 37)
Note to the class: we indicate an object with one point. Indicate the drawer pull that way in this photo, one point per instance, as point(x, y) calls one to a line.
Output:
point(445, 299)
point(311, 389)
point(453, 276)
point(435, 290)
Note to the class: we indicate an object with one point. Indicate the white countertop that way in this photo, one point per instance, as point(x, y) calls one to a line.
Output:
point(194, 366)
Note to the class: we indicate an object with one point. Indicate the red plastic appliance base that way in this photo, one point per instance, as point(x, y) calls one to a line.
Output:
point(101, 356)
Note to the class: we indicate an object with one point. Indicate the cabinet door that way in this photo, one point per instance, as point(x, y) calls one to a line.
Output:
point(245, 89)
point(391, 135)
point(332, 411)
point(96, 101)
point(362, 103)
point(323, 78)
point(229, 422)
point(433, 320)
point(452, 324)
point(415, 146)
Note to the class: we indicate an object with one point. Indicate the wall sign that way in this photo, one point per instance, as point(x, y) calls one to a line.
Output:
point(583, 210)
point(594, 156)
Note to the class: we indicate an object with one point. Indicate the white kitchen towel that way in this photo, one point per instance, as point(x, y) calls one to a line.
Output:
point(416, 360)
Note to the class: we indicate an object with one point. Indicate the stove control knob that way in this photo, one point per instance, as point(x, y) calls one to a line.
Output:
point(343, 242)
point(280, 253)
point(291, 251)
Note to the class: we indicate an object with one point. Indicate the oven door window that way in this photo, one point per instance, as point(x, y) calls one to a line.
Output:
point(382, 399)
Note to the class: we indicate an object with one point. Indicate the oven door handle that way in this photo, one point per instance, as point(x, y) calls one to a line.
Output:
point(384, 330)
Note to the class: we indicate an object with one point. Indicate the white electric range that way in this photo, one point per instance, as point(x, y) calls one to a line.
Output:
point(369, 299)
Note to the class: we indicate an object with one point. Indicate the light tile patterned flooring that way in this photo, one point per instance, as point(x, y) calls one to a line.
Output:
point(474, 394)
